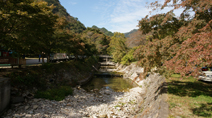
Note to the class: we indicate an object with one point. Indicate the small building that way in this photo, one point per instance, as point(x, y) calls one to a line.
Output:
point(5, 58)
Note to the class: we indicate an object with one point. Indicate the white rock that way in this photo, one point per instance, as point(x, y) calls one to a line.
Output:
point(28, 115)
point(103, 115)
point(108, 116)
point(94, 116)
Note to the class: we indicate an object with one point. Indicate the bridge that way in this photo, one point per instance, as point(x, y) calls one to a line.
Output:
point(105, 58)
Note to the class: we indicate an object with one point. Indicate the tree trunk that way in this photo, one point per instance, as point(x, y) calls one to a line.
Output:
point(48, 57)
point(42, 55)
point(42, 59)
point(76, 57)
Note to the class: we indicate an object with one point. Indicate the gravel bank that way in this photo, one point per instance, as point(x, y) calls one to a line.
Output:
point(104, 103)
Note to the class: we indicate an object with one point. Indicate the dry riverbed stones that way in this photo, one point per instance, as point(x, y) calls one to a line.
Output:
point(104, 103)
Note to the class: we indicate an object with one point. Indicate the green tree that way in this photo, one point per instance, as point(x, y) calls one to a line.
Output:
point(129, 57)
point(26, 25)
point(94, 37)
point(159, 34)
point(117, 47)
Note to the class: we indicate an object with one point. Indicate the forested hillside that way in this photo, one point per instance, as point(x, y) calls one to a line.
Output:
point(127, 34)
point(95, 40)
point(135, 39)
point(98, 40)
point(73, 23)
point(103, 30)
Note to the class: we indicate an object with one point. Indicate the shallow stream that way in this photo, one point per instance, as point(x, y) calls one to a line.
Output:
point(117, 84)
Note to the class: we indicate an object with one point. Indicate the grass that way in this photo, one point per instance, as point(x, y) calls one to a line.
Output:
point(120, 104)
point(132, 102)
point(189, 98)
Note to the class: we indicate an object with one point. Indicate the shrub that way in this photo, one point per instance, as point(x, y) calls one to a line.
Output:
point(129, 57)
point(55, 93)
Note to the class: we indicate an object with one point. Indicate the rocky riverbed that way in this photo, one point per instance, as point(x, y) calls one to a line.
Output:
point(103, 103)
point(148, 100)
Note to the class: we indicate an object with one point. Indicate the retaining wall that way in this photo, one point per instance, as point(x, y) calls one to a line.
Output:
point(154, 92)
point(4, 93)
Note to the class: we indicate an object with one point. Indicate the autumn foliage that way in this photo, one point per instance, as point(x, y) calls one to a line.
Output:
point(37, 27)
point(177, 45)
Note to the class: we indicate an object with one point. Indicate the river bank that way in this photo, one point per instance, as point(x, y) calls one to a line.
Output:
point(50, 80)
point(102, 103)
point(154, 91)
point(105, 103)
point(146, 100)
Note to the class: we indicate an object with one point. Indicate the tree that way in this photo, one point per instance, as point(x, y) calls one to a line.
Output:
point(26, 25)
point(195, 52)
point(181, 45)
point(94, 37)
point(117, 47)
point(158, 35)
point(129, 57)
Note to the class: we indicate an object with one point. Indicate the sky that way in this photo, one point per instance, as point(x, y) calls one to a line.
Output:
point(114, 15)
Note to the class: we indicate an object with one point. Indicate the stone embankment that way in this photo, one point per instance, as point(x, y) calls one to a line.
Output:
point(146, 100)
point(4, 93)
point(154, 92)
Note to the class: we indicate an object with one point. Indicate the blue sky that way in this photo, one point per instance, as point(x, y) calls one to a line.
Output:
point(115, 15)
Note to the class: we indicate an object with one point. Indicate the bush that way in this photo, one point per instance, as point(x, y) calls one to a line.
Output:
point(129, 57)
point(27, 79)
point(55, 93)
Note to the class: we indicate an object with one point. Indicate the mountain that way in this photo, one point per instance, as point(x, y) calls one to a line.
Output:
point(128, 33)
point(94, 37)
point(74, 24)
point(136, 38)
point(103, 30)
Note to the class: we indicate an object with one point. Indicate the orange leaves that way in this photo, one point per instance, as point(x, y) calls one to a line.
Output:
point(194, 52)
point(207, 27)
point(183, 44)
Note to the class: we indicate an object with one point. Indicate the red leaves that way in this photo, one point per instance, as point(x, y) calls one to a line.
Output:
point(181, 45)
point(194, 52)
